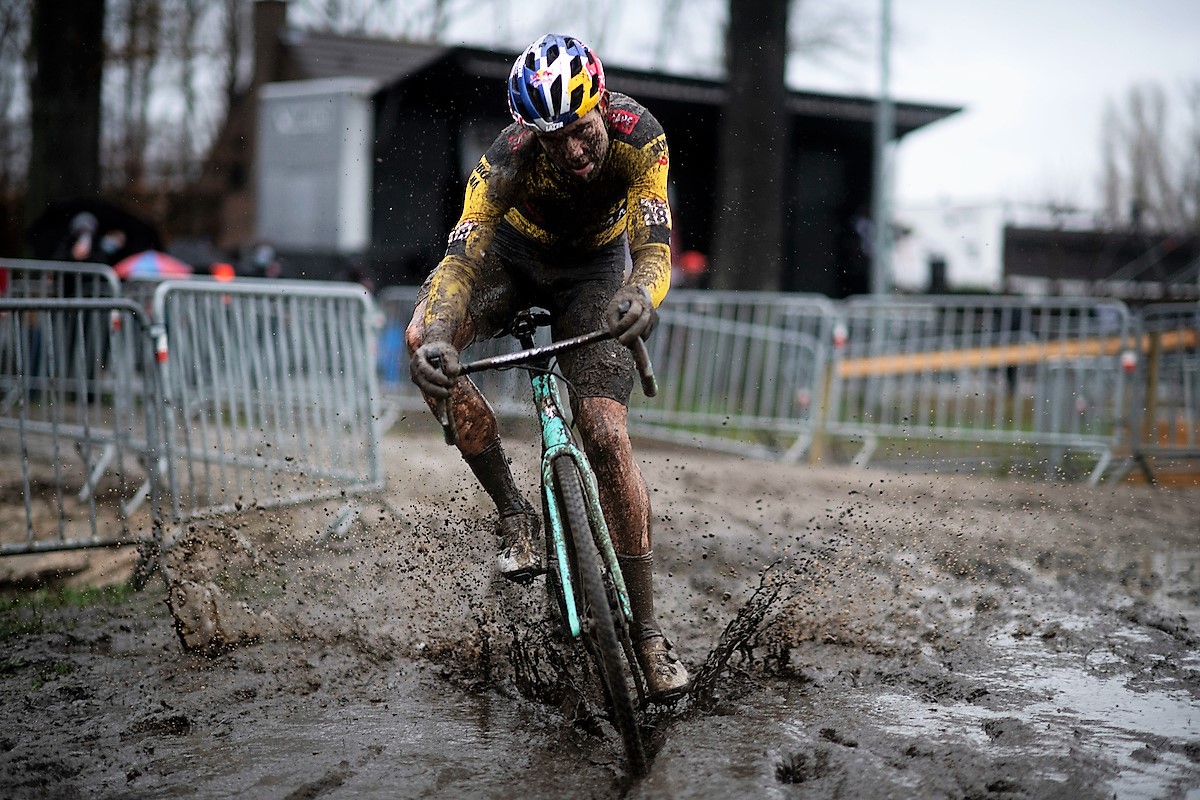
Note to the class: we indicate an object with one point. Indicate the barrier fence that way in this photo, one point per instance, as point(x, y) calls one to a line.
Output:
point(1042, 376)
point(207, 397)
point(1166, 414)
point(199, 396)
point(270, 393)
point(79, 449)
point(507, 391)
point(22, 279)
point(1007, 379)
point(739, 371)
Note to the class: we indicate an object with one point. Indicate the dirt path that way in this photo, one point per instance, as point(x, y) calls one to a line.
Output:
point(931, 635)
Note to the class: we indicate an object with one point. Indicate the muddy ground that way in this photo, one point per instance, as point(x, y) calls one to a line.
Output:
point(889, 633)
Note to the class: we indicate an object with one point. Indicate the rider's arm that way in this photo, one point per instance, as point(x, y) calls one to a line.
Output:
point(650, 221)
point(454, 278)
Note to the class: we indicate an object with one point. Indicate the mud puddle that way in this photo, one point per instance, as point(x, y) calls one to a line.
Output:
point(424, 740)
point(932, 636)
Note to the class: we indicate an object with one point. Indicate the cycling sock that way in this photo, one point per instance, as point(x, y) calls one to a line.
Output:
point(638, 572)
point(491, 469)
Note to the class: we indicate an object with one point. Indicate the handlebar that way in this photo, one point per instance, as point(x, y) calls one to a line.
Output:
point(641, 358)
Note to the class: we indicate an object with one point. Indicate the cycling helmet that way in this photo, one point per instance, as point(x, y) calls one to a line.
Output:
point(555, 81)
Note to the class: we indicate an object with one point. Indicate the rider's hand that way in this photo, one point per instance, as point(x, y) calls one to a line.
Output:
point(631, 315)
point(434, 368)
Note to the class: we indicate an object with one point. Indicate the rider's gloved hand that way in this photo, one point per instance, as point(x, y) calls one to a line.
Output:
point(434, 368)
point(631, 314)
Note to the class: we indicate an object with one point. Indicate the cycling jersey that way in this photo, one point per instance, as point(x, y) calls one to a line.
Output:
point(515, 181)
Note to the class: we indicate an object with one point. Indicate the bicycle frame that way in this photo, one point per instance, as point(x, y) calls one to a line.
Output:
point(557, 442)
point(568, 510)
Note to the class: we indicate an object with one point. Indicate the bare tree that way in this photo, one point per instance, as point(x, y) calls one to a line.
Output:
point(13, 117)
point(14, 120)
point(1150, 176)
point(234, 41)
point(136, 35)
point(189, 51)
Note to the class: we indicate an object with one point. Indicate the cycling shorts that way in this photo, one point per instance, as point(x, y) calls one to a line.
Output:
point(575, 286)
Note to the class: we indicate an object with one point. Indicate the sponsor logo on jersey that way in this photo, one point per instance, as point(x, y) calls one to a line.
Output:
point(655, 212)
point(622, 120)
point(461, 231)
point(658, 150)
point(517, 139)
point(614, 216)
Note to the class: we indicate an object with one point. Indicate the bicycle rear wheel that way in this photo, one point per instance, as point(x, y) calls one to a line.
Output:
point(601, 630)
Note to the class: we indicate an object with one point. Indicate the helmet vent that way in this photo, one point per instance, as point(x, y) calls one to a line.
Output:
point(554, 82)
point(539, 105)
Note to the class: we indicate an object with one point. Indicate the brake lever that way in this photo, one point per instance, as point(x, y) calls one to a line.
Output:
point(641, 357)
point(441, 408)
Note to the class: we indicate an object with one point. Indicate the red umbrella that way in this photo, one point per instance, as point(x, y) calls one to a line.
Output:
point(152, 265)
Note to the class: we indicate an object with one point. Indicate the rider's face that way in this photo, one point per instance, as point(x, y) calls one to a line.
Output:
point(578, 149)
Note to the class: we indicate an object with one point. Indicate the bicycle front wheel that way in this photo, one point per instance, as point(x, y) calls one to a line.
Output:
point(601, 629)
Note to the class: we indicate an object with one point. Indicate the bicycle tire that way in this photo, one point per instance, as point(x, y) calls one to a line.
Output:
point(606, 647)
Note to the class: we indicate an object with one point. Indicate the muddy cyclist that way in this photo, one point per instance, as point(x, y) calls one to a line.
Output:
point(574, 187)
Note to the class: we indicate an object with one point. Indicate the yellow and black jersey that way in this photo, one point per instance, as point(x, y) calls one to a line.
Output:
point(515, 181)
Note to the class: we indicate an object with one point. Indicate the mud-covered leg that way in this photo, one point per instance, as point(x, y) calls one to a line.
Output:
point(478, 440)
point(626, 504)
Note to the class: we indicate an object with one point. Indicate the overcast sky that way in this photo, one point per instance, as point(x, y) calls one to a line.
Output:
point(1033, 76)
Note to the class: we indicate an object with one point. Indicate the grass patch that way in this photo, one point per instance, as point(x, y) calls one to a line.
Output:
point(46, 599)
point(25, 614)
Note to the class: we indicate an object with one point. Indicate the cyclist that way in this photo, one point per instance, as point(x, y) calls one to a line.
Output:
point(564, 196)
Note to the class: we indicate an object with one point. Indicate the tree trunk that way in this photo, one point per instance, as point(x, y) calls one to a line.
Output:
point(67, 37)
point(752, 159)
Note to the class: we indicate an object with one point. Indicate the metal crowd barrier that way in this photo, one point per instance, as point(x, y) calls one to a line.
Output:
point(1034, 376)
point(1165, 423)
point(741, 372)
point(507, 391)
point(779, 375)
point(79, 451)
point(265, 393)
point(270, 392)
point(24, 279)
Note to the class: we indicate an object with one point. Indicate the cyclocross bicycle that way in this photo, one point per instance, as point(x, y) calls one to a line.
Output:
point(583, 577)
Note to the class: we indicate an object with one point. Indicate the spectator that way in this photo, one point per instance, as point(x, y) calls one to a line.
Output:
point(265, 261)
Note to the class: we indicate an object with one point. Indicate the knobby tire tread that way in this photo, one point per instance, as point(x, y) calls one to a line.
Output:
point(607, 650)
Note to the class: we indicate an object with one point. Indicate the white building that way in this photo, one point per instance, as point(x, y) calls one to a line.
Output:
point(965, 242)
